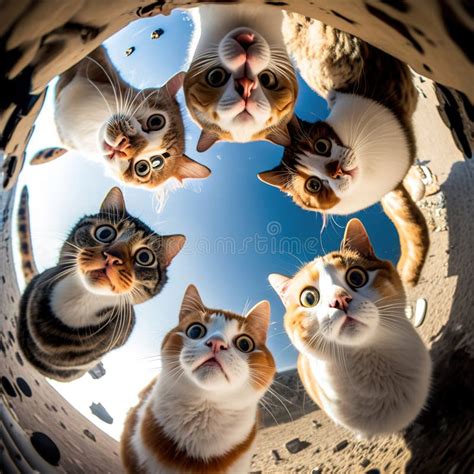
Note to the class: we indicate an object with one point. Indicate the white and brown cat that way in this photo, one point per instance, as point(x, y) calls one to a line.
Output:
point(241, 85)
point(360, 360)
point(200, 414)
point(363, 151)
point(137, 134)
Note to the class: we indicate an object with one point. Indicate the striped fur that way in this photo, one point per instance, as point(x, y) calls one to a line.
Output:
point(412, 231)
point(360, 360)
point(71, 315)
point(28, 265)
point(197, 418)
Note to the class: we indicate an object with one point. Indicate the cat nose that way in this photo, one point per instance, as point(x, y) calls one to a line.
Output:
point(216, 345)
point(244, 87)
point(340, 301)
point(121, 143)
point(115, 255)
point(245, 40)
point(334, 169)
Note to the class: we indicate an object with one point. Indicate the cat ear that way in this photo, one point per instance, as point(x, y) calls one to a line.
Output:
point(279, 136)
point(280, 284)
point(188, 168)
point(206, 140)
point(258, 320)
point(356, 238)
point(192, 302)
point(114, 203)
point(46, 155)
point(174, 84)
point(277, 177)
point(171, 247)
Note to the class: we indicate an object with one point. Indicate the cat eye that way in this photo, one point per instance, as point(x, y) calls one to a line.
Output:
point(217, 77)
point(309, 297)
point(323, 146)
point(155, 122)
point(356, 277)
point(313, 185)
point(144, 257)
point(157, 162)
point(142, 168)
point(244, 343)
point(268, 80)
point(105, 233)
point(196, 331)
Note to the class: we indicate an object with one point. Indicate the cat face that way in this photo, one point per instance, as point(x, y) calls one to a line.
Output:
point(218, 350)
point(116, 254)
point(317, 170)
point(346, 298)
point(144, 144)
point(241, 89)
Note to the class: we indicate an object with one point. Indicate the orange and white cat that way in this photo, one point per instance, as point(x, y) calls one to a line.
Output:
point(360, 358)
point(200, 414)
point(241, 85)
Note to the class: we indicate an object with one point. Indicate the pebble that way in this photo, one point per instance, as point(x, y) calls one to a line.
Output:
point(316, 424)
point(372, 471)
point(365, 462)
point(317, 470)
point(296, 445)
point(340, 446)
point(276, 455)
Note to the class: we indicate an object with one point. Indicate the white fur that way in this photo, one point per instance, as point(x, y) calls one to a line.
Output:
point(379, 153)
point(82, 111)
point(374, 380)
point(207, 414)
point(215, 28)
point(77, 307)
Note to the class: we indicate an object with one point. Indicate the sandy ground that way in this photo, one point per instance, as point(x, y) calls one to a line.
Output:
point(442, 438)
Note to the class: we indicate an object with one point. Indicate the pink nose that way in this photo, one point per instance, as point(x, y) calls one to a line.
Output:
point(244, 87)
point(123, 143)
point(216, 345)
point(245, 40)
point(340, 301)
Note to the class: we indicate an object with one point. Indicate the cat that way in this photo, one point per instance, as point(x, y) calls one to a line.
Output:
point(200, 414)
point(72, 314)
point(137, 134)
point(360, 358)
point(241, 85)
point(364, 149)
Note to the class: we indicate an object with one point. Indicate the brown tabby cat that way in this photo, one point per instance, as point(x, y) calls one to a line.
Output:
point(137, 134)
point(200, 415)
point(72, 314)
point(362, 152)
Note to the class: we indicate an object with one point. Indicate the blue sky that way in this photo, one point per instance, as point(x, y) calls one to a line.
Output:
point(238, 229)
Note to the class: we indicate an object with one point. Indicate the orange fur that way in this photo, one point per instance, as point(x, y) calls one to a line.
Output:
point(413, 233)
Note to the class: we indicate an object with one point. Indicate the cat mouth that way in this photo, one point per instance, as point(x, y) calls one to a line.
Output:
point(352, 173)
point(211, 363)
point(350, 323)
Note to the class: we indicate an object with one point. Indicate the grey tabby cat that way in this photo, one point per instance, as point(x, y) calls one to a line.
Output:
point(71, 315)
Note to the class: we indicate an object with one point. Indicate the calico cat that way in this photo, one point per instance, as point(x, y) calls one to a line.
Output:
point(364, 149)
point(71, 315)
point(240, 85)
point(360, 358)
point(200, 414)
point(137, 134)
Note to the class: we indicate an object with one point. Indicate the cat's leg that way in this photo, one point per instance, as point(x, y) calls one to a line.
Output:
point(412, 231)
